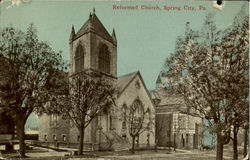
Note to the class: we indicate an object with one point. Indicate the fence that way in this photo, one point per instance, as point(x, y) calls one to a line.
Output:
point(72, 145)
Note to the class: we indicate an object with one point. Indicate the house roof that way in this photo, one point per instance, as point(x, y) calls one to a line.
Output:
point(170, 100)
point(154, 94)
point(94, 25)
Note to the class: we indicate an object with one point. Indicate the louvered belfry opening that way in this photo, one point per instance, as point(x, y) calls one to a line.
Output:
point(79, 59)
point(104, 59)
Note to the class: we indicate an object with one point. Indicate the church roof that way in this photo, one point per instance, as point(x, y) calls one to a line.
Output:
point(123, 81)
point(94, 25)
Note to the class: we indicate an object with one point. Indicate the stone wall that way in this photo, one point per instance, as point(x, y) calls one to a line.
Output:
point(91, 43)
point(184, 128)
point(49, 131)
point(89, 136)
point(85, 42)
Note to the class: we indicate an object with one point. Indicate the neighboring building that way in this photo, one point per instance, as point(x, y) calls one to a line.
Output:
point(93, 48)
point(174, 121)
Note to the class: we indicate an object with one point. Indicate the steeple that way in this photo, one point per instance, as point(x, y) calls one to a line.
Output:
point(72, 34)
point(94, 24)
point(159, 84)
point(114, 36)
point(92, 40)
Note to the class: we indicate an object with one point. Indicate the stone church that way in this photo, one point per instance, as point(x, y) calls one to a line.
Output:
point(93, 48)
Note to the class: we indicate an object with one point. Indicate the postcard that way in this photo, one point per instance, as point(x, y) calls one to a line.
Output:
point(124, 79)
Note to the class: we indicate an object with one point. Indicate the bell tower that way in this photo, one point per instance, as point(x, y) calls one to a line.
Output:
point(93, 48)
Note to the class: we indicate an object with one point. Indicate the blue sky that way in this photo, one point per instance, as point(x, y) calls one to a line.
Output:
point(145, 37)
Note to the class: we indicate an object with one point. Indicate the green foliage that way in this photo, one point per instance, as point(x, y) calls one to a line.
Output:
point(26, 65)
point(210, 69)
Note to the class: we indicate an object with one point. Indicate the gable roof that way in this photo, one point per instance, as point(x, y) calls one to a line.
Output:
point(124, 81)
point(167, 96)
point(94, 25)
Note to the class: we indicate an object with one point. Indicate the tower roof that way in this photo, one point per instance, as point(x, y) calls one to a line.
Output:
point(94, 25)
point(114, 36)
point(72, 34)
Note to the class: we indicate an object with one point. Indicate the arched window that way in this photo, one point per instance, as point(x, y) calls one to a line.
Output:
point(104, 59)
point(137, 109)
point(79, 59)
point(124, 111)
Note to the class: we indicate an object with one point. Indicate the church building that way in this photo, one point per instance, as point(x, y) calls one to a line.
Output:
point(92, 48)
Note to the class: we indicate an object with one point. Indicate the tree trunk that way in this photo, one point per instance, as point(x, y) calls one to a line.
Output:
point(81, 131)
point(21, 137)
point(133, 144)
point(235, 143)
point(219, 149)
point(245, 142)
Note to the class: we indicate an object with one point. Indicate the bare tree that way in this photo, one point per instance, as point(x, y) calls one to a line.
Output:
point(138, 119)
point(28, 62)
point(90, 94)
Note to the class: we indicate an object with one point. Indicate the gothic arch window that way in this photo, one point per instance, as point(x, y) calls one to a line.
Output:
point(137, 108)
point(79, 58)
point(104, 59)
point(124, 111)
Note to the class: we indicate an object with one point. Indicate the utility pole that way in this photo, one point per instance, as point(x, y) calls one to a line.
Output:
point(174, 135)
point(169, 140)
